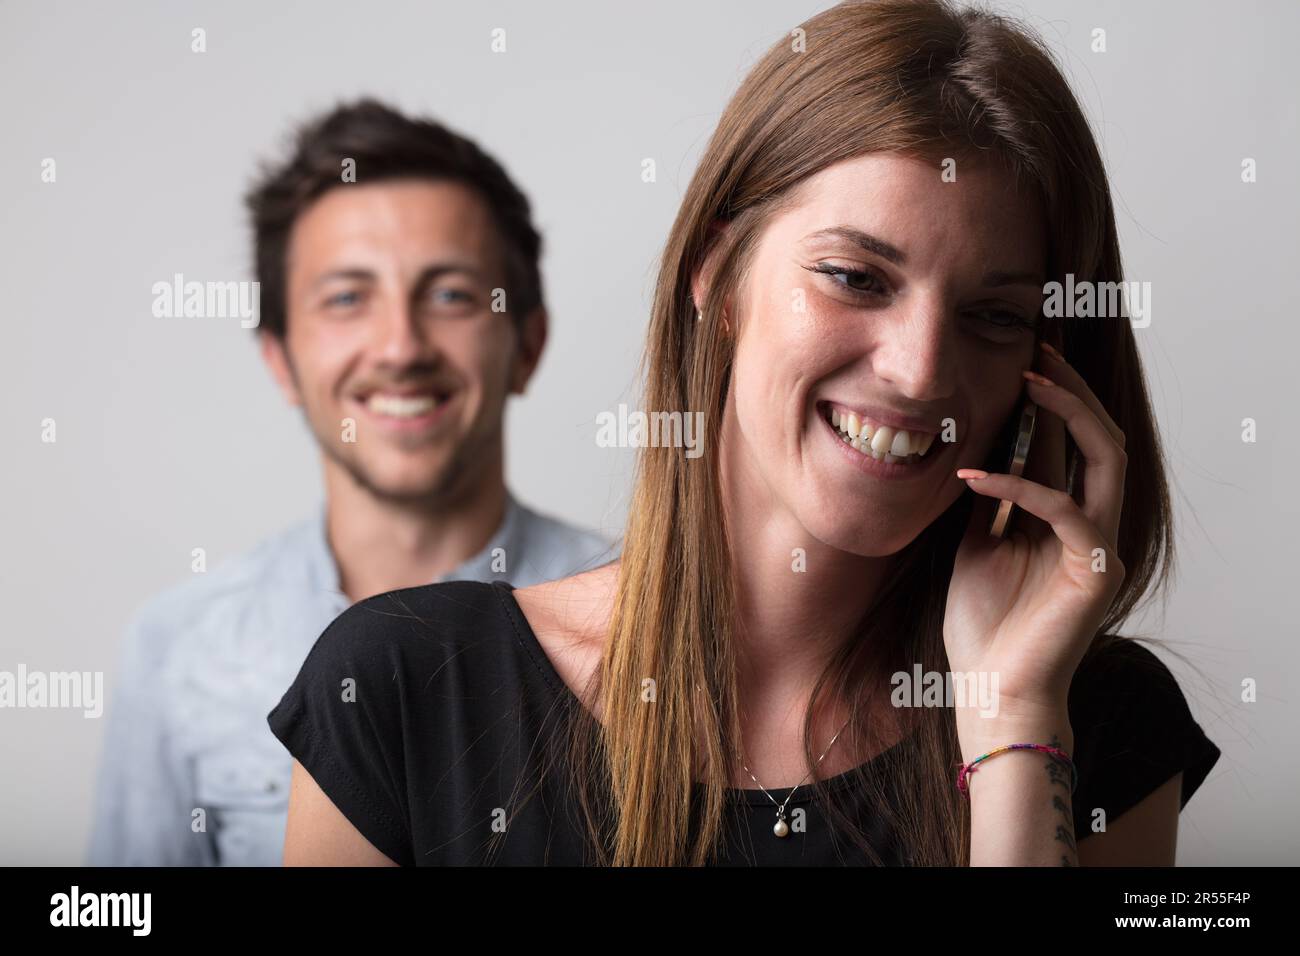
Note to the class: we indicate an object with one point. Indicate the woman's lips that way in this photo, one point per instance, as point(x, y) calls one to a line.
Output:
point(885, 466)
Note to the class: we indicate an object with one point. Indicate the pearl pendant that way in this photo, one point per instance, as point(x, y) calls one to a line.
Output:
point(782, 828)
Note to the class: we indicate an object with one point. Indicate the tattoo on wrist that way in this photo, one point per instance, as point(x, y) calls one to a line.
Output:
point(1058, 774)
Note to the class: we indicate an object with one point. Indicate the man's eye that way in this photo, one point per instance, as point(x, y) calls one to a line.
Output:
point(343, 299)
point(450, 296)
point(854, 280)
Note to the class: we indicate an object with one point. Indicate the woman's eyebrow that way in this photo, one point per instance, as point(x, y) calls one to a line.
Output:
point(862, 239)
point(880, 247)
point(995, 278)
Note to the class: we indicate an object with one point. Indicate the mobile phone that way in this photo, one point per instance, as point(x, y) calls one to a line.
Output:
point(1017, 444)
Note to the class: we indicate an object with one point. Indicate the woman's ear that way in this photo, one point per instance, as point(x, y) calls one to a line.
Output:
point(702, 279)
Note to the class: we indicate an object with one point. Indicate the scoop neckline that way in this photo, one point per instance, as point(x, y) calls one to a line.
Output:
point(754, 797)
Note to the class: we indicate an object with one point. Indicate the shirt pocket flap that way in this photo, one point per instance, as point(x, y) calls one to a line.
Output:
point(242, 779)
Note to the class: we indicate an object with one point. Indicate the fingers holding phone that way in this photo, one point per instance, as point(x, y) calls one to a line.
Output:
point(1016, 459)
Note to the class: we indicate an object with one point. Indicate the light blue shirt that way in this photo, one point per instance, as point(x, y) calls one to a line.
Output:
point(191, 774)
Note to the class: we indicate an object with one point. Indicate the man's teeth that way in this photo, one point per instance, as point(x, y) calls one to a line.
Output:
point(401, 406)
point(883, 443)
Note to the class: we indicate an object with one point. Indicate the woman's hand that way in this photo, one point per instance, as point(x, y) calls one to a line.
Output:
point(1026, 607)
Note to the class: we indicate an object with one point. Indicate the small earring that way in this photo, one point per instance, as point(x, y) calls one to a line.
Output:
point(698, 315)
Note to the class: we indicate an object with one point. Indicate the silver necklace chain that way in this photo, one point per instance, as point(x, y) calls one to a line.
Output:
point(782, 828)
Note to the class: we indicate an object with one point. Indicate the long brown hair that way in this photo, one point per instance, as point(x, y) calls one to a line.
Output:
point(919, 77)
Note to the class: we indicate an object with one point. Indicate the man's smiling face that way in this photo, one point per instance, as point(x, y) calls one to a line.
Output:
point(392, 347)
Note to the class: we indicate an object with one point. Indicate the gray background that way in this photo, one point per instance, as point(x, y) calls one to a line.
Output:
point(171, 437)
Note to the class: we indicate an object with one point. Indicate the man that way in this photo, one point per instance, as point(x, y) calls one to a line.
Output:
point(401, 304)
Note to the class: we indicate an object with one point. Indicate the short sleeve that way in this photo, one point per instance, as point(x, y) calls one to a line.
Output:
point(342, 719)
point(1133, 731)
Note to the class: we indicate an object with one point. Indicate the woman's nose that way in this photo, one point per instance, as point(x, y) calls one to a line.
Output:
point(915, 351)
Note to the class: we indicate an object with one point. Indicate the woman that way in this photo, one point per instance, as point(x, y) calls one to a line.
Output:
point(852, 293)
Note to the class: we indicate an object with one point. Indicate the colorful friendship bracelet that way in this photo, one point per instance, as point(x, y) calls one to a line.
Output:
point(1054, 752)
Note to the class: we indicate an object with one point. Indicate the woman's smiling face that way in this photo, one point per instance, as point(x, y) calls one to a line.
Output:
point(886, 293)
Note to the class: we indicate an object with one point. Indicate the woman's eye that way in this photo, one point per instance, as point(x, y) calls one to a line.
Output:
point(1002, 324)
point(1001, 318)
point(1004, 319)
point(855, 280)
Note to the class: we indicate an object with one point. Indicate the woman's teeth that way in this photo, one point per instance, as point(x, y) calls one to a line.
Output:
point(401, 406)
point(885, 444)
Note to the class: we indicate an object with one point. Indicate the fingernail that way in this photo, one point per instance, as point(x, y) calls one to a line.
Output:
point(971, 473)
point(1051, 350)
point(1039, 379)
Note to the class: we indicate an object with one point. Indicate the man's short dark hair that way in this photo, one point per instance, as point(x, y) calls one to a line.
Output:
point(384, 144)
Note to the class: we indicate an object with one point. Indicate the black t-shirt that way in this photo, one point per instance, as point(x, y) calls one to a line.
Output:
point(420, 711)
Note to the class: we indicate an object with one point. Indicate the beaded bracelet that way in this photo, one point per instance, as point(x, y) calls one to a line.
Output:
point(1055, 752)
